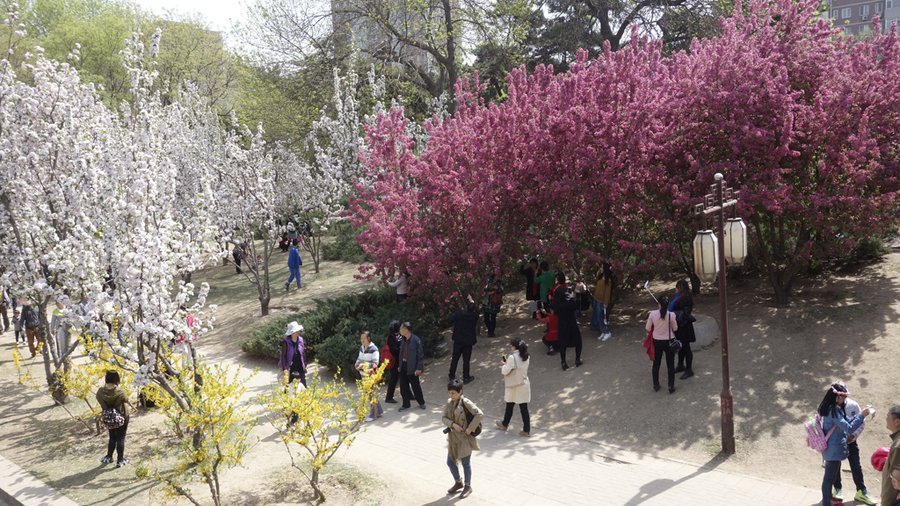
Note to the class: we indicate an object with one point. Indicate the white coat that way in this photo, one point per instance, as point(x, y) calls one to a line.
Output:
point(515, 375)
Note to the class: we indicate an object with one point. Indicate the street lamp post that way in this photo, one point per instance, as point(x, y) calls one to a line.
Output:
point(709, 263)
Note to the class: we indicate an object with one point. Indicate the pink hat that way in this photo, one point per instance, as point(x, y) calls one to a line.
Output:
point(879, 458)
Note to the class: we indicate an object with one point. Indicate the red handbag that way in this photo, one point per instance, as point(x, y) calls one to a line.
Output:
point(386, 355)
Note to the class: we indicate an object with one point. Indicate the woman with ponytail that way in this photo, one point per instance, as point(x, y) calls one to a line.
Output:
point(518, 388)
point(663, 325)
point(837, 427)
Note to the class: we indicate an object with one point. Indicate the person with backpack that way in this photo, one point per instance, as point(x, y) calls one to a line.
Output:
point(518, 388)
point(367, 364)
point(851, 409)
point(463, 421)
point(391, 352)
point(837, 427)
point(115, 417)
point(662, 325)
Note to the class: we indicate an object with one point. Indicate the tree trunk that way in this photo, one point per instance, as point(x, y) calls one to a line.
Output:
point(695, 283)
point(314, 482)
point(264, 304)
point(452, 72)
point(782, 287)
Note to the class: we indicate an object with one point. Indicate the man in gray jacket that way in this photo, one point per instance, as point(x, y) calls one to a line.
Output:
point(412, 362)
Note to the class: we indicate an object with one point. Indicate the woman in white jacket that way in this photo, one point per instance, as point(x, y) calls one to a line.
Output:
point(518, 388)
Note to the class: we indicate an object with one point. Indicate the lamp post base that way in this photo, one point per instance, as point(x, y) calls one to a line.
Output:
point(727, 403)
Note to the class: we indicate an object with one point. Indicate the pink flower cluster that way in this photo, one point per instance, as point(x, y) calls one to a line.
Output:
point(608, 159)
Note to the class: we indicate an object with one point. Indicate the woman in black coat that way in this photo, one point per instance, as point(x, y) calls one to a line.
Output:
point(683, 305)
point(565, 305)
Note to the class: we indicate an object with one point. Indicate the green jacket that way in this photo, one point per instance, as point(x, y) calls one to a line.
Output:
point(545, 281)
point(113, 398)
point(888, 492)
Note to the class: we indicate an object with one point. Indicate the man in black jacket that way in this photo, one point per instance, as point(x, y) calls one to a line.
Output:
point(465, 324)
point(31, 322)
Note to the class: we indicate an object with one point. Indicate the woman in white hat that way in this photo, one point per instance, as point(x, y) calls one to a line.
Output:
point(293, 354)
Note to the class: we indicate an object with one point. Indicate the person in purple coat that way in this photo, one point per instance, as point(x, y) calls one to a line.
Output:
point(292, 359)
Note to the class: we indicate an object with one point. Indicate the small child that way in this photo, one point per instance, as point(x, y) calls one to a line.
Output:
point(551, 338)
point(17, 323)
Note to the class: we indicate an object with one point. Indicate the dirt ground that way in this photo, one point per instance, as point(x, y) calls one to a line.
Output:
point(782, 358)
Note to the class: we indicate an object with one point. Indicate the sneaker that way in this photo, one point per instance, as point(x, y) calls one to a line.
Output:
point(122, 463)
point(455, 488)
point(578, 363)
point(600, 337)
point(605, 337)
point(404, 408)
point(421, 406)
point(500, 425)
point(837, 493)
point(565, 366)
point(524, 434)
point(864, 497)
point(369, 419)
point(287, 286)
point(680, 368)
point(468, 380)
point(687, 374)
point(106, 460)
point(390, 401)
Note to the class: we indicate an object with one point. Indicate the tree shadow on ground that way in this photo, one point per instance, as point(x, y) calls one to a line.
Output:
point(781, 360)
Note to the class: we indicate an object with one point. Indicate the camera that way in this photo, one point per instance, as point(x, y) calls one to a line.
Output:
point(446, 430)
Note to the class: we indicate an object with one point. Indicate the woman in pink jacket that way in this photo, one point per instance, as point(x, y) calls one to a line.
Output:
point(663, 325)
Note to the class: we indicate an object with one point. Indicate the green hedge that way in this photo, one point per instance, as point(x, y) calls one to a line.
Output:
point(331, 330)
point(345, 246)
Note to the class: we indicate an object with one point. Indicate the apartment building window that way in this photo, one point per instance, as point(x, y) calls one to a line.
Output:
point(835, 14)
point(845, 13)
point(878, 8)
point(864, 11)
point(889, 4)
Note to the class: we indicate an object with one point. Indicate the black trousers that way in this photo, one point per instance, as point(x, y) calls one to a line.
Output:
point(855, 469)
point(237, 263)
point(460, 351)
point(686, 356)
point(661, 349)
point(490, 320)
point(563, 347)
point(523, 409)
point(409, 386)
point(393, 377)
point(117, 442)
point(299, 375)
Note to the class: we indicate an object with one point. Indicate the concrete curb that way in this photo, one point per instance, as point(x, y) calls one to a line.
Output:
point(19, 488)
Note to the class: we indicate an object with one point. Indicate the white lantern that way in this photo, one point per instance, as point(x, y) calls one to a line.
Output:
point(706, 256)
point(735, 241)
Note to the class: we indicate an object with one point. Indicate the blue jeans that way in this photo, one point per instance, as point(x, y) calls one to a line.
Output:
point(598, 317)
point(295, 273)
point(832, 470)
point(467, 468)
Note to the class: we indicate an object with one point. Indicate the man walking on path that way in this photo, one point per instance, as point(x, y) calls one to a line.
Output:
point(294, 263)
point(412, 362)
point(465, 325)
point(888, 492)
point(31, 321)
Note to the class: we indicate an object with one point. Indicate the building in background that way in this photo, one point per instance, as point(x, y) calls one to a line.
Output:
point(855, 16)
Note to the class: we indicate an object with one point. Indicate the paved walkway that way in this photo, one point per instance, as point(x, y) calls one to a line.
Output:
point(542, 470)
point(18, 488)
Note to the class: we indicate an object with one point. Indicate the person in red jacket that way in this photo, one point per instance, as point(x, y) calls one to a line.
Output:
point(551, 338)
